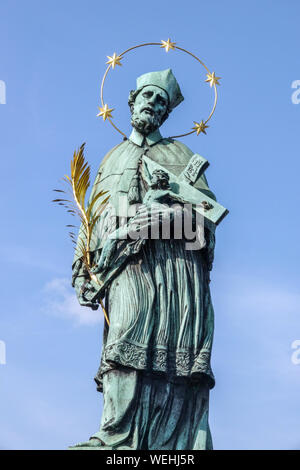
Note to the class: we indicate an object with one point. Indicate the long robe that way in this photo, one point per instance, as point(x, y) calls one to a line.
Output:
point(157, 348)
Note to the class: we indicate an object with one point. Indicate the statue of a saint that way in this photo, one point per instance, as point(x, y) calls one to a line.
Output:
point(155, 371)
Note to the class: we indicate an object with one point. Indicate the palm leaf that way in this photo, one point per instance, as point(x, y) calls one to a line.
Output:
point(94, 200)
point(77, 184)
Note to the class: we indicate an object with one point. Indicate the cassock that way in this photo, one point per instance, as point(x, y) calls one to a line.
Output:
point(155, 370)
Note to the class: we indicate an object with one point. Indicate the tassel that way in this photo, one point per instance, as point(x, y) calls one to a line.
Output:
point(134, 191)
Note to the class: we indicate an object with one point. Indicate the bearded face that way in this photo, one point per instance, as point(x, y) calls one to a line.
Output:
point(149, 109)
point(159, 180)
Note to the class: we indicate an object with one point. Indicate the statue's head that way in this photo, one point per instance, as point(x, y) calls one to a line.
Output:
point(157, 94)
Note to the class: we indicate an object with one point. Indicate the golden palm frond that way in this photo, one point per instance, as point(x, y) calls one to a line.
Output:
point(78, 183)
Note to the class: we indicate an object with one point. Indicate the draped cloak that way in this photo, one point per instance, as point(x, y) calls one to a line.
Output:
point(159, 304)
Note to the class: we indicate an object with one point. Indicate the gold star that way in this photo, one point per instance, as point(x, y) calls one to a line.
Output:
point(105, 112)
point(114, 60)
point(212, 79)
point(200, 127)
point(168, 45)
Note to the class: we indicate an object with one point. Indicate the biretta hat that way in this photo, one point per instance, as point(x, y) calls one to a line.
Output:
point(163, 79)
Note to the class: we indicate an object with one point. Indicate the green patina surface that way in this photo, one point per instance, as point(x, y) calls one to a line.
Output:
point(155, 370)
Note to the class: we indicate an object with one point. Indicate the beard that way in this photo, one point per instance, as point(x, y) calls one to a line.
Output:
point(145, 124)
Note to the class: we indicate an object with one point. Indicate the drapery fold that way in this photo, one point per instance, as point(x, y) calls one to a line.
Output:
point(146, 412)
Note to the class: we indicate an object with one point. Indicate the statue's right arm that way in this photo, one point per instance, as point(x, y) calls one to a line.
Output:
point(84, 289)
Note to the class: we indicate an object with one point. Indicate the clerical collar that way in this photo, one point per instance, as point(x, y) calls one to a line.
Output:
point(139, 139)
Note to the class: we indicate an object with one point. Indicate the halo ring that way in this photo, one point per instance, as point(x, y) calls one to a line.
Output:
point(173, 46)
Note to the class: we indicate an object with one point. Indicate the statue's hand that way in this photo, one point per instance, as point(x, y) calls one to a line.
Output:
point(85, 291)
point(151, 213)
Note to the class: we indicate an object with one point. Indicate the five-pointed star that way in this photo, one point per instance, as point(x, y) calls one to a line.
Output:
point(114, 60)
point(168, 44)
point(200, 127)
point(212, 79)
point(105, 112)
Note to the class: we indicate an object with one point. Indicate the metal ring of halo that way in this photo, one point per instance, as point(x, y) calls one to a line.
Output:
point(120, 56)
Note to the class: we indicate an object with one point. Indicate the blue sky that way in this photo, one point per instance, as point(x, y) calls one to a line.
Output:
point(53, 56)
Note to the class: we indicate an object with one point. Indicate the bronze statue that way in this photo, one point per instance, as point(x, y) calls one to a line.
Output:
point(155, 371)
